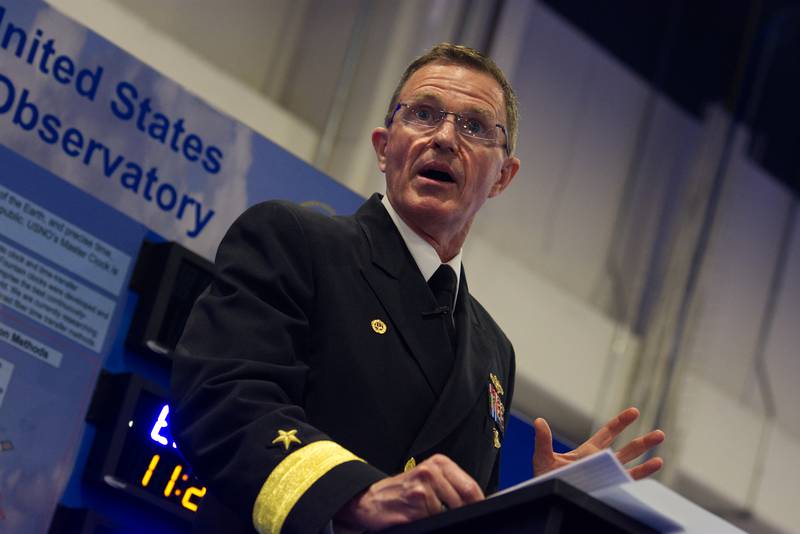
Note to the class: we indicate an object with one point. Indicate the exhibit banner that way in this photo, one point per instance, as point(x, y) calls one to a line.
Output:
point(97, 151)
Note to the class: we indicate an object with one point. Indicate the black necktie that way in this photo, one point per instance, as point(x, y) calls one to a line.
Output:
point(443, 285)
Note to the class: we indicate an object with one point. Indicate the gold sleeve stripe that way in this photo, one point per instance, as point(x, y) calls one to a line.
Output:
point(291, 479)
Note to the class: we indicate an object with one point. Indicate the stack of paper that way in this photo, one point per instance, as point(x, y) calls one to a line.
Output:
point(648, 501)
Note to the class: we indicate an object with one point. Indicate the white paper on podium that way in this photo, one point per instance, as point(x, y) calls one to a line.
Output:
point(652, 495)
point(601, 474)
point(589, 474)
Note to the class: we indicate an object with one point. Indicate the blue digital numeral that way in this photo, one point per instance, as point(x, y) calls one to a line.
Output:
point(160, 424)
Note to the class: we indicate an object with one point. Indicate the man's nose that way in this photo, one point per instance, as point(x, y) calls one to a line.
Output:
point(445, 135)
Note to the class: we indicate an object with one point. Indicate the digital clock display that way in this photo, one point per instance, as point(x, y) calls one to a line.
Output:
point(150, 459)
point(134, 450)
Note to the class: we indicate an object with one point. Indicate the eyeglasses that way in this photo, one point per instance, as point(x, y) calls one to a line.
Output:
point(473, 126)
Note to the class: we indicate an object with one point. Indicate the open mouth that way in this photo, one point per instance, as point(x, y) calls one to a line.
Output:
point(439, 176)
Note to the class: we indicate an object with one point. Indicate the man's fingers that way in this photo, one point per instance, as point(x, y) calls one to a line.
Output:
point(608, 433)
point(543, 458)
point(544, 439)
point(464, 485)
point(639, 446)
point(448, 482)
point(418, 493)
point(429, 488)
point(646, 469)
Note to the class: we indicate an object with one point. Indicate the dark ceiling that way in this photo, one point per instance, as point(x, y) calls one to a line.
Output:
point(704, 51)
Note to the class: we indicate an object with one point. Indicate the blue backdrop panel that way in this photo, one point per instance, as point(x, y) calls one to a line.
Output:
point(58, 338)
point(98, 151)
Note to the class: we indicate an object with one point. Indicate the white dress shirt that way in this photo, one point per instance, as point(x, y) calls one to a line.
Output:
point(423, 253)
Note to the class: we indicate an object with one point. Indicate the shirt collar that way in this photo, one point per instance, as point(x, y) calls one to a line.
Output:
point(423, 253)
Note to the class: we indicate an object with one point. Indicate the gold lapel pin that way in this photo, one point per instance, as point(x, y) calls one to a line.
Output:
point(378, 326)
point(496, 438)
point(286, 438)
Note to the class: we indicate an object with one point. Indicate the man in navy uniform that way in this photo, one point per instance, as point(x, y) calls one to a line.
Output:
point(338, 371)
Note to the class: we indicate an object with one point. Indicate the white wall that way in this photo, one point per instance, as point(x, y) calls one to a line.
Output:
point(208, 80)
point(582, 117)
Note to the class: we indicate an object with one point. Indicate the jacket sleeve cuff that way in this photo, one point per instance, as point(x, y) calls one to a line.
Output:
point(309, 486)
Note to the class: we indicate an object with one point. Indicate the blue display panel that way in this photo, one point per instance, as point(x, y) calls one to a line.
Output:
point(103, 121)
point(64, 263)
point(97, 152)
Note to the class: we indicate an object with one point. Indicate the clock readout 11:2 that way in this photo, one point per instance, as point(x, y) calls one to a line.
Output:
point(150, 458)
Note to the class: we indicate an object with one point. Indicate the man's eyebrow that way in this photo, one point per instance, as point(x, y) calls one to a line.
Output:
point(485, 113)
point(425, 95)
point(430, 96)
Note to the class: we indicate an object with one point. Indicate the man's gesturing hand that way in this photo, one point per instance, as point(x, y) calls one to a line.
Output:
point(544, 459)
point(425, 490)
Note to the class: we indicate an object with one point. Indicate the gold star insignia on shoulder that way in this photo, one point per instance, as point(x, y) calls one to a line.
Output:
point(496, 383)
point(378, 326)
point(286, 437)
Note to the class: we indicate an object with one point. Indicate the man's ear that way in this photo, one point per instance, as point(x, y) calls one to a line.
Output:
point(380, 138)
point(507, 172)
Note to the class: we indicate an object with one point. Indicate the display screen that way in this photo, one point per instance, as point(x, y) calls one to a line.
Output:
point(190, 280)
point(149, 459)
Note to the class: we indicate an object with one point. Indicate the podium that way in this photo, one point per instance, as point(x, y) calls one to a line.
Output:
point(553, 507)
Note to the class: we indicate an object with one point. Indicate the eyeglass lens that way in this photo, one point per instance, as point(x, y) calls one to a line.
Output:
point(471, 125)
